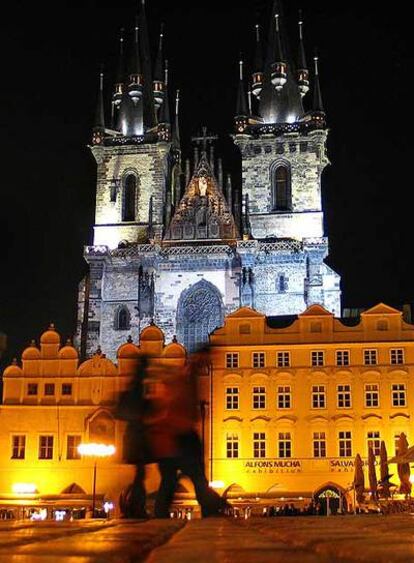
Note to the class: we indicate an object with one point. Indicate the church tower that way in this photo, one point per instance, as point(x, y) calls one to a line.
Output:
point(283, 153)
point(185, 258)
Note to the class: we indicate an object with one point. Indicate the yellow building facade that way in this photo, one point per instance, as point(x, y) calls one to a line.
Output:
point(284, 409)
point(292, 406)
point(51, 404)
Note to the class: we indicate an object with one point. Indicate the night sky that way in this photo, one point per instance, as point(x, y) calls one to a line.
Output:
point(51, 56)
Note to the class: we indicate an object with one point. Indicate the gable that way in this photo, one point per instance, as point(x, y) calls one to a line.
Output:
point(316, 311)
point(381, 309)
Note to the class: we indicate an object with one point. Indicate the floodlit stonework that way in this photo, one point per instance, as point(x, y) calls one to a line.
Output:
point(185, 253)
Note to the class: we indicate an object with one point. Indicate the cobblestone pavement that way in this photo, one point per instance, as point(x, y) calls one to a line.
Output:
point(379, 539)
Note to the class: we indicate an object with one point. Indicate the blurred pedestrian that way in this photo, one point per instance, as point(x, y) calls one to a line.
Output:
point(132, 408)
point(175, 443)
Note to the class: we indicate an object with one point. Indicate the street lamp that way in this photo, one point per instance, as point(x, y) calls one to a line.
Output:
point(95, 451)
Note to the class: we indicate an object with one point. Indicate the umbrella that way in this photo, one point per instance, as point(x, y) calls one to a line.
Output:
point(404, 466)
point(385, 475)
point(359, 479)
point(372, 475)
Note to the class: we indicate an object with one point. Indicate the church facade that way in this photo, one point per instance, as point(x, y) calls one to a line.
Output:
point(185, 252)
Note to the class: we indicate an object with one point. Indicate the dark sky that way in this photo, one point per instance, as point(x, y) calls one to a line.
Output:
point(51, 54)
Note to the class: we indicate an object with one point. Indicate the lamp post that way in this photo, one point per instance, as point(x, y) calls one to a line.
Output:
point(95, 450)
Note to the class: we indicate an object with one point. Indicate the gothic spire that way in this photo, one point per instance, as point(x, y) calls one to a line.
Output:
point(165, 108)
point(99, 125)
point(257, 76)
point(302, 72)
point(158, 84)
point(241, 109)
point(120, 75)
point(176, 130)
point(148, 99)
point(135, 86)
point(280, 101)
point(317, 93)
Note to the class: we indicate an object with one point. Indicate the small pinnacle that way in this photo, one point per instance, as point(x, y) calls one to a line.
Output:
point(68, 342)
point(174, 339)
point(99, 351)
point(14, 362)
point(33, 343)
point(129, 339)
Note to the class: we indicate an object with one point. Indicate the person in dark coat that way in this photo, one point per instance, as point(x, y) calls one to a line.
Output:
point(175, 443)
point(133, 408)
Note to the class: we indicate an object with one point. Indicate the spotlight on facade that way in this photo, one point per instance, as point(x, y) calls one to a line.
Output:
point(216, 484)
point(24, 488)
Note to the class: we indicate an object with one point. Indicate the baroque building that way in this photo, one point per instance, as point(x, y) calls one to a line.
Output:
point(285, 407)
point(186, 254)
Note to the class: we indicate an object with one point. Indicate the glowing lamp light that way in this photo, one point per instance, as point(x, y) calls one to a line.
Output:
point(216, 484)
point(96, 450)
point(412, 479)
point(24, 488)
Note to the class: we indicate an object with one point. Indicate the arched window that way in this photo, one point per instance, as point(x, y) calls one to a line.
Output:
point(281, 189)
point(199, 312)
point(122, 319)
point(130, 189)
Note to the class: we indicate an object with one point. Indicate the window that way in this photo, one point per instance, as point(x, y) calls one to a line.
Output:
point(344, 396)
point(259, 444)
point(283, 359)
point(46, 447)
point(282, 283)
point(371, 395)
point(66, 388)
point(232, 446)
point(259, 397)
point(72, 447)
point(18, 447)
point(258, 359)
point(32, 389)
point(285, 444)
point(399, 398)
point(345, 444)
point(319, 444)
point(284, 397)
point(396, 356)
point(374, 442)
point(232, 398)
point(342, 357)
point(382, 325)
point(130, 187)
point(316, 327)
point(49, 389)
point(281, 189)
point(317, 358)
point(122, 319)
point(232, 360)
point(370, 357)
point(318, 397)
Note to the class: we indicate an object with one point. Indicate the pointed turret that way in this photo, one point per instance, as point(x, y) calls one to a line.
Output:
point(242, 111)
point(120, 75)
point(257, 76)
point(150, 120)
point(317, 105)
point(164, 125)
point(176, 130)
point(135, 86)
point(99, 125)
point(247, 230)
point(158, 78)
point(279, 67)
point(303, 71)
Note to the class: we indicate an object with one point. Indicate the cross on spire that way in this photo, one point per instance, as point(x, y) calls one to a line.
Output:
point(205, 139)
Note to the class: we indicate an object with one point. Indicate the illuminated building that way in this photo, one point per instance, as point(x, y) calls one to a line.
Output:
point(51, 405)
point(293, 405)
point(187, 253)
